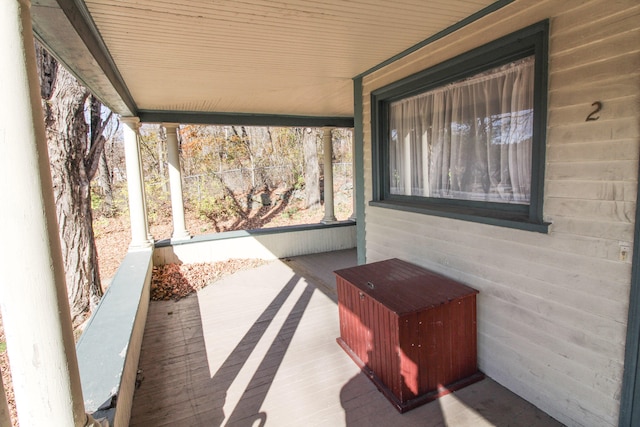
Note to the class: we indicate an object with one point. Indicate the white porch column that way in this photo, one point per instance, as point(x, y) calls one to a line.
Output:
point(33, 295)
point(144, 194)
point(329, 213)
point(180, 232)
point(137, 210)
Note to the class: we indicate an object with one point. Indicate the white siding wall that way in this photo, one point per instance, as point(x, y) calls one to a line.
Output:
point(263, 245)
point(552, 308)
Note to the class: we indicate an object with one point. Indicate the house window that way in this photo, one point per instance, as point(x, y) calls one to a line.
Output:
point(465, 139)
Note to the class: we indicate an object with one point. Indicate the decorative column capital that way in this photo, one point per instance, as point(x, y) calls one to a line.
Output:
point(168, 126)
point(131, 122)
point(326, 129)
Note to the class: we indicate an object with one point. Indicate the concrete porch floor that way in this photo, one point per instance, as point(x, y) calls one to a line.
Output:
point(258, 348)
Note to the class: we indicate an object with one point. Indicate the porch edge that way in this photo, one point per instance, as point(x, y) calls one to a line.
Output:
point(109, 349)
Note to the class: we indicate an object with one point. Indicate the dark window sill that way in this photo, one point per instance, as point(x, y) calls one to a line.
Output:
point(474, 215)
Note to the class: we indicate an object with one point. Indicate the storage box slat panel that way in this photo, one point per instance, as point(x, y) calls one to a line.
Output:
point(412, 331)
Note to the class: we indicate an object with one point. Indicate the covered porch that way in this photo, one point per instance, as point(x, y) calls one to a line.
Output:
point(559, 318)
point(258, 348)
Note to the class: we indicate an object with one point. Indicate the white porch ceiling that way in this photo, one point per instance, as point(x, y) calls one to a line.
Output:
point(288, 57)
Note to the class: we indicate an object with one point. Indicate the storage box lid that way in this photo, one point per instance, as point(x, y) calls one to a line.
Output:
point(403, 287)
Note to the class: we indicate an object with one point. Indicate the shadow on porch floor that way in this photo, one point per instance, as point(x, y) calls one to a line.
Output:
point(258, 348)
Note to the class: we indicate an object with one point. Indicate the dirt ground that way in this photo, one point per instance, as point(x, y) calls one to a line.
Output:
point(113, 236)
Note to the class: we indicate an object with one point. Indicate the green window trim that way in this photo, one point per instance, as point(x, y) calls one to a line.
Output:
point(529, 41)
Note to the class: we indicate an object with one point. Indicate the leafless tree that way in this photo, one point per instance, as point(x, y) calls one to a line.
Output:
point(75, 128)
point(311, 168)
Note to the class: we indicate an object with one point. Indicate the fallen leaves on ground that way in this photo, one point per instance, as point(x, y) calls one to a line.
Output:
point(176, 281)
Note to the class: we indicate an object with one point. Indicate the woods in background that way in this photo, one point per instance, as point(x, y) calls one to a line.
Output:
point(229, 172)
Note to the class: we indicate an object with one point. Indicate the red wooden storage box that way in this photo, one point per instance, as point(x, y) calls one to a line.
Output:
point(412, 331)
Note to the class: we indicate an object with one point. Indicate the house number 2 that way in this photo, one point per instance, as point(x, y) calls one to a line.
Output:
point(592, 117)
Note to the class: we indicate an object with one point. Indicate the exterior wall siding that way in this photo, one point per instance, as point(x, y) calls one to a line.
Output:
point(552, 308)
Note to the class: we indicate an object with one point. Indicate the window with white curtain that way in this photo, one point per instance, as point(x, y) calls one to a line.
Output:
point(466, 138)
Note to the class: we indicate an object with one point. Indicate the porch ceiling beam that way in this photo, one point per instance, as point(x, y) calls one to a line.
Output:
point(66, 29)
point(242, 119)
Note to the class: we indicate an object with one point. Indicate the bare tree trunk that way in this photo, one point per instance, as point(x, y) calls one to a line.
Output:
point(248, 139)
point(162, 142)
point(311, 168)
point(105, 182)
point(74, 151)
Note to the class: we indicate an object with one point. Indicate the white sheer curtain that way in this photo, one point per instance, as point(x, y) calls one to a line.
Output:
point(468, 140)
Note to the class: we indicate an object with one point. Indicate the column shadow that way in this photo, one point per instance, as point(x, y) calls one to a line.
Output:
point(175, 384)
point(247, 411)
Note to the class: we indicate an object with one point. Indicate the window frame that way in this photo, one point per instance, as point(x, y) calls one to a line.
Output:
point(532, 40)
